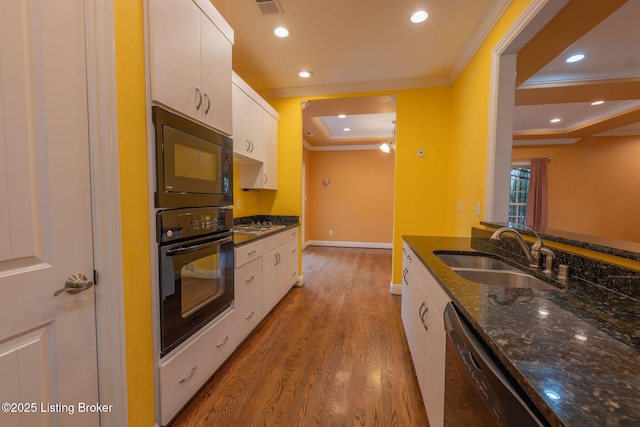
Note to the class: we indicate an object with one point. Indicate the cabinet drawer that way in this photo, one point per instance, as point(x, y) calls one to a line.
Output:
point(248, 279)
point(247, 253)
point(275, 240)
point(248, 315)
point(183, 373)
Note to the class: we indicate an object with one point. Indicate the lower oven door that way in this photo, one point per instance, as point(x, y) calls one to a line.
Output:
point(196, 285)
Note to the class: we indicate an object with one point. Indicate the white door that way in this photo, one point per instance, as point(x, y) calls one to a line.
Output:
point(48, 360)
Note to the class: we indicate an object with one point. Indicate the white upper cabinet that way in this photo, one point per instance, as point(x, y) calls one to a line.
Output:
point(255, 138)
point(248, 127)
point(190, 53)
point(270, 164)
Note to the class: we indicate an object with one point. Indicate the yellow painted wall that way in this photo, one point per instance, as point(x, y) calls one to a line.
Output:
point(130, 75)
point(357, 205)
point(245, 203)
point(469, 131)
point(423, 120)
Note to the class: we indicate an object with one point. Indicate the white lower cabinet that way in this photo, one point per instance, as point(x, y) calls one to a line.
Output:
point(422, 308)
point(184, 372)
point(279, 266)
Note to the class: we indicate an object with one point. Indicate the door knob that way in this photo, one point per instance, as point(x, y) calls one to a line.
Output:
point(74, 284)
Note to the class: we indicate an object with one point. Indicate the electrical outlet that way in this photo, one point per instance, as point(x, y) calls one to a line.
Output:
point(459, 207)
point(330, 232)
point(239, 203)
point(420, 152)
point(478, 209)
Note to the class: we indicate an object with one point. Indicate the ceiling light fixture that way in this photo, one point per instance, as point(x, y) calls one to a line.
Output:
point(419, 16)
point(342, 116)
point(555, 120)
point(305, 74)
point(386, 147)
point(346, 129)
point(575, 58)
point(281, 32)
point(597, 103)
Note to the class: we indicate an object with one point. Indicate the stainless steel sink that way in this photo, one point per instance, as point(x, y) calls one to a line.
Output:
point(474, 261)
point(503, 278)
point(491, 271)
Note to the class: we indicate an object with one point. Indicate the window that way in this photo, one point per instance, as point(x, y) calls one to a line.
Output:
point(519, 190)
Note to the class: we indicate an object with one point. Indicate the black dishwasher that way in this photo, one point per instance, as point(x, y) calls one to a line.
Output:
point(478, 392)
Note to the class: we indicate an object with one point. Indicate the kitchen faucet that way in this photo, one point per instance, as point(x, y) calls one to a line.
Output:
point(533, 253)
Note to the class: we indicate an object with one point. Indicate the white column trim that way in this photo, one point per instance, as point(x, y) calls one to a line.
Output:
point(106, 214)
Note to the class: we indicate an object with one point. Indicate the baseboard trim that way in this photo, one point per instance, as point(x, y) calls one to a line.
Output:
point(368, 245)
point(395, 289)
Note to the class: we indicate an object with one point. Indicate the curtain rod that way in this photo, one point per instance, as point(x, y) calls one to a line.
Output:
point(529, 160)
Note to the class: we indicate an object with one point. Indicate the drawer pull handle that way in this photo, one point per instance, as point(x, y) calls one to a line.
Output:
point(223, 342)
point(189, 375)
point(250, 315)
point(251, 252)
point(249, 280)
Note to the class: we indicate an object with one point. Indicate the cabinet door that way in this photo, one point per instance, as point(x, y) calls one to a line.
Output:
point(215, 60)
point(270, 167)
point(174, 39)
point(241, 143)
point(269, 280)
point(289, 267)
point(248, 127)
point(255, 121)
point(432, 385)
point(417, 325)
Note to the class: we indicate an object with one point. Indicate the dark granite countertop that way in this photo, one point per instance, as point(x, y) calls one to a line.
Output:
point(575, 351)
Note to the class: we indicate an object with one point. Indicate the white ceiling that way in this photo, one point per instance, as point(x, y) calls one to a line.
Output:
point(354, 46)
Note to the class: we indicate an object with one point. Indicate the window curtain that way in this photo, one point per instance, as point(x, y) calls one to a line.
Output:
point(537, 200)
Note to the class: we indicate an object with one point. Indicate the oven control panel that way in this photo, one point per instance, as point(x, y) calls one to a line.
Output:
point(178, 224)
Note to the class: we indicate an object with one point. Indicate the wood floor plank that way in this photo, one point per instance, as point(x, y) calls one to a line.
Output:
point(331, 353)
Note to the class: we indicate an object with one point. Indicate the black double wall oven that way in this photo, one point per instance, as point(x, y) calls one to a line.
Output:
point(194, 217)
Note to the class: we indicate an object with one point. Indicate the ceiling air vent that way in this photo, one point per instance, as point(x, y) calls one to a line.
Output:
point(269, 7)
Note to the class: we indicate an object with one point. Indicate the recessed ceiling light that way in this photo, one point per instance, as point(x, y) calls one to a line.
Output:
point(346, 129)
point(419, 16)
point(281, 32)
point(575, 58)
point(597, 103)
point(555, 120)
point(551, 394)
point(342, 116)
point(305, 74)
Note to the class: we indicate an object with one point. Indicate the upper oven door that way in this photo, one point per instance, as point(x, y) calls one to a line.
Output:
point(194, 164)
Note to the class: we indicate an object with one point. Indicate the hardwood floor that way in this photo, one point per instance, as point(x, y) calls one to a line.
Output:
point(331, 353)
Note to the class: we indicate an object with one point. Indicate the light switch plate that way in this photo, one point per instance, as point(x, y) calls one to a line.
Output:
point(420, 152)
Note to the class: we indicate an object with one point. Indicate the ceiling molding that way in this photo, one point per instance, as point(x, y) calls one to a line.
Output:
point(558, 141)
point(367, 147)
point(489, 19)
point(356, 87)
point(614, 119)
point(578, 91)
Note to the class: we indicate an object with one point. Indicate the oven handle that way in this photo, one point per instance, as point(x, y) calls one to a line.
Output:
point(188, 249)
